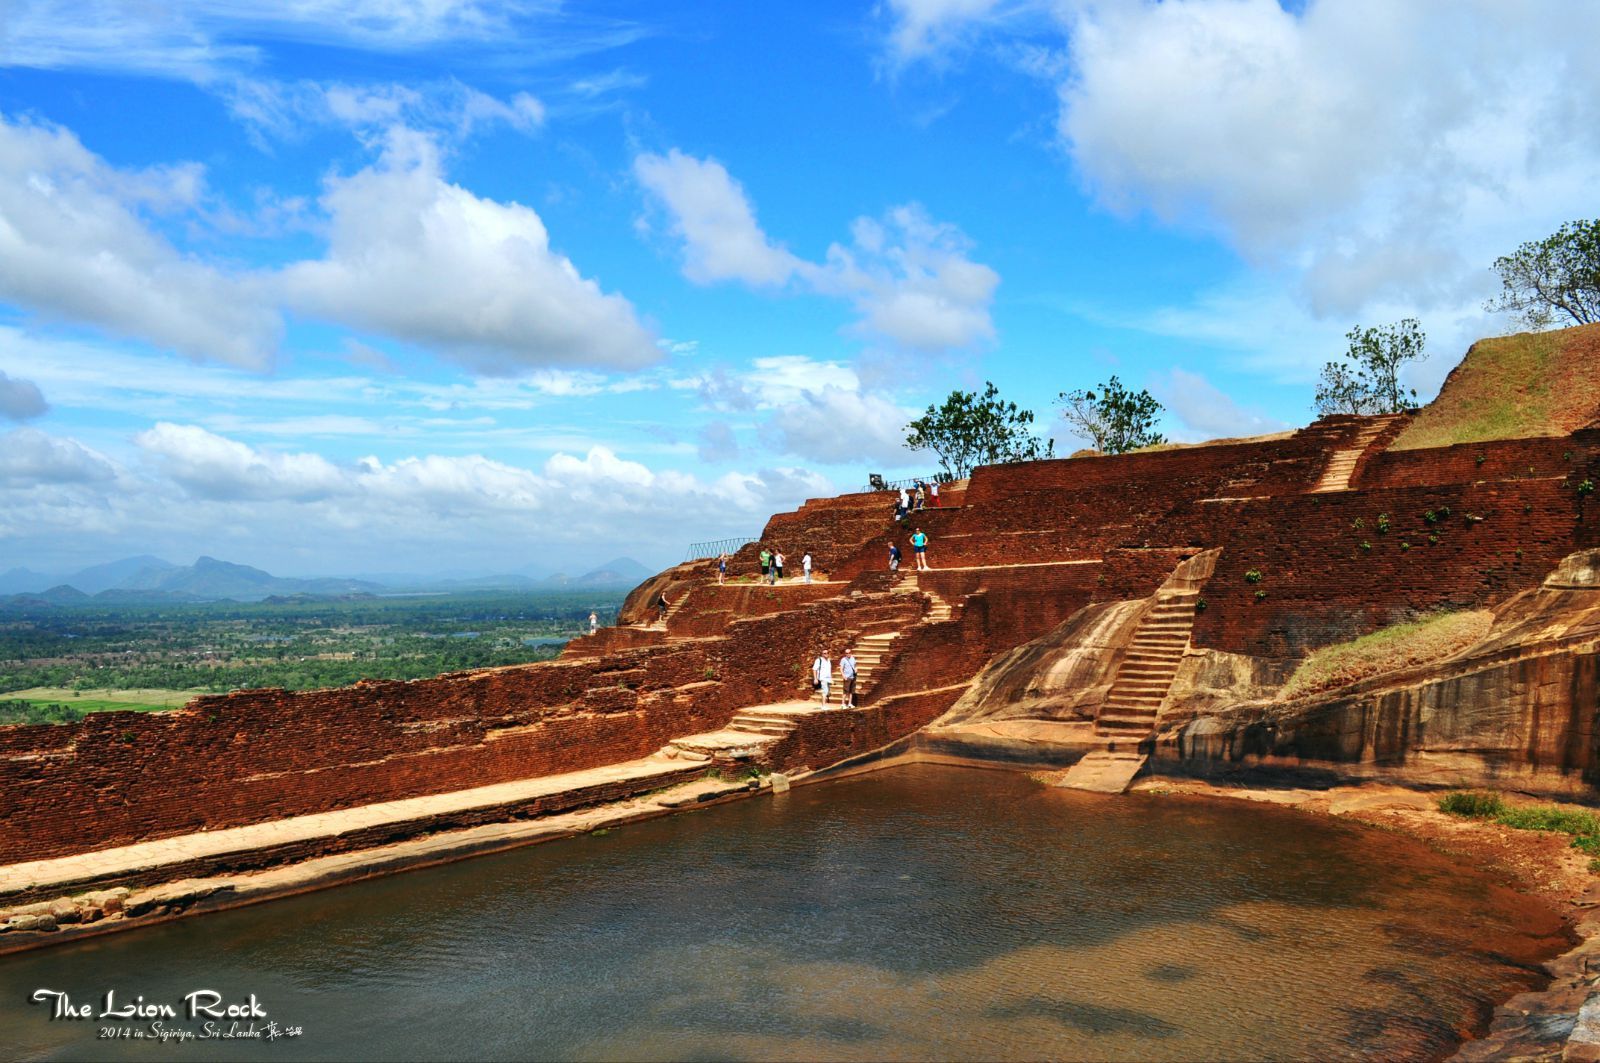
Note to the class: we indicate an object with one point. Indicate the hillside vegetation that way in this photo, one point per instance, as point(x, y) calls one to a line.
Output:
point(1396, 646)
point(1509, 387)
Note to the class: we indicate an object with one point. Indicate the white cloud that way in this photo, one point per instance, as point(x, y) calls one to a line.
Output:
point(714, 219)
point(1382, 150)
point(1205, 411)
point(448, 108)
point(912, 282)
point(426, 261)
point(29, 457)
point(909, 277)
point(215, 467)
point(834, 426)
point(20, 399)
point(74, 245)
point(198, 38)
point(924, 27)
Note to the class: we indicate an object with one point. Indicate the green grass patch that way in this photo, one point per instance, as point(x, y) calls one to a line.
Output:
point(1511, 387)
point(1393, 647)
point(1581, 824)
point(1474, 804)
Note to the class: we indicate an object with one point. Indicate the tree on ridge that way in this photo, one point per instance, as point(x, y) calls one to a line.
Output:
point(972, 429)
point(1368, 380)
point(1560, 274)
point(1113, 418)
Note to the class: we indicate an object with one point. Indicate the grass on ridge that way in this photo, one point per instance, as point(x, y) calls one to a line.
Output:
point(1396, 646)
point(1512, 387)
point(1581, 824)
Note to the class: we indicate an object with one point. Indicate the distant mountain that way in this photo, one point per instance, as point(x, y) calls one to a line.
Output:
point(618, 572)
point(24, 581)
point(131, 573)
point(209, 578)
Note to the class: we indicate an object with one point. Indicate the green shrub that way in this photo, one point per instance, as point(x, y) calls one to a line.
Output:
point(1474, 804)
point(1586, 488)
point(1253, 576)
point(1383, 523)
point(1552, 818)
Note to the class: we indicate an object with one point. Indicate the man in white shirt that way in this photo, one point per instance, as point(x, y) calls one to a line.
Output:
point(847, 672)
point(805, 565)
point(594, 623)
point(822, 673)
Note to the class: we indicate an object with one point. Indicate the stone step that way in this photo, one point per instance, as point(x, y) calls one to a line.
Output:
point(1103, 772)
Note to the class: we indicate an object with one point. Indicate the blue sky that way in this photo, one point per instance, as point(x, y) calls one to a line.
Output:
point(460, 285)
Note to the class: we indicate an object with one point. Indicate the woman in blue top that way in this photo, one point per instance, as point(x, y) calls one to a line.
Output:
point(919, 544)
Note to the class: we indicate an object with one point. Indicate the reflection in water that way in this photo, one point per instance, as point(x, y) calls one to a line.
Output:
point(914, 913)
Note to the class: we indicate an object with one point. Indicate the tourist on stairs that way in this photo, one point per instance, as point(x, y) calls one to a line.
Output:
point(847, 672)
point(894, 558)
point(662, 605)
point(919, 544)
point(822, 674)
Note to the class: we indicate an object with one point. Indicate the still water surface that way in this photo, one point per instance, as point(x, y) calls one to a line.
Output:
point(922, 912)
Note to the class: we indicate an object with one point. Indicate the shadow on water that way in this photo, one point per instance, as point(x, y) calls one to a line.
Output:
point(922, 911)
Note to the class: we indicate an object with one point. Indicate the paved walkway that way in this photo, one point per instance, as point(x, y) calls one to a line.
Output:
point(628, 777)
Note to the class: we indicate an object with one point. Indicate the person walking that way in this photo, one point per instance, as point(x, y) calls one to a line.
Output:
point(902, 505)
point(822, 674)
point(662, 605)
point(805, 565)
point(933, 494)
point(894, 557)
point(777, 566)
point(766, 562)
point(594, 623)
point(919, 545)
point(722, 570)
point(847, 672)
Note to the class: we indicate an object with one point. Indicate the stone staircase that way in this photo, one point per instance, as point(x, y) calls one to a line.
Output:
point(672, 609)
point(749, 732)
point(1342, 462)
point(1141, 684)
point(872, 652)
point(939, 610)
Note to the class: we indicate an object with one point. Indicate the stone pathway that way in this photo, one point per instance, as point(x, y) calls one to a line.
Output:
point(192, 854)
point(753, 730)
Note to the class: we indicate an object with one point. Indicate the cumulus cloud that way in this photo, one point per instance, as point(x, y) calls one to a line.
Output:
point(714, 219)
point(29, 457)
point(1205, 411)
point(20, 399)
point(426, 261)
point(834, 426)
point(1387, 150)
point(214, 467)
point(909, 277)
point(912, 282)
point(75, 244)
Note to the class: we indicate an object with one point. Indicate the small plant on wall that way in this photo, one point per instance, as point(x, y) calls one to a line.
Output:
point(1253, 576)
point(1383, 523)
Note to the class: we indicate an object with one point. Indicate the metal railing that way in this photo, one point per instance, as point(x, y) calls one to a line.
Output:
point(715, 547)
point(910, 482)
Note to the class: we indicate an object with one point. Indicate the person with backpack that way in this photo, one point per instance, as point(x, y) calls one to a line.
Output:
point(822, 674)
point(894, 557)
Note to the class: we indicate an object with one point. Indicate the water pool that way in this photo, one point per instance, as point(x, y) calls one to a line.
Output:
point(919, 912)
